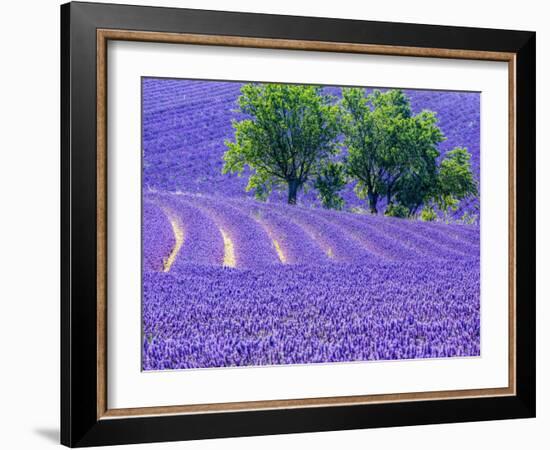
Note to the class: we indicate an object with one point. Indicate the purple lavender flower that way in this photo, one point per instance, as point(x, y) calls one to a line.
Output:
point(230, 281)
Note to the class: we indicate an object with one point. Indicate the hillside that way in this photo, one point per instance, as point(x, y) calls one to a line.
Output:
point(185, 123)
point(235, 282)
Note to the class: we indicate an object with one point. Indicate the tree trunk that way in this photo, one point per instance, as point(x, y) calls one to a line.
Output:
point(373, 200)
point(293, 186)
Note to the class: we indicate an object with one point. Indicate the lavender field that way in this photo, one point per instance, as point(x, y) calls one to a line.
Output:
point(185, 123)
point(232, 281)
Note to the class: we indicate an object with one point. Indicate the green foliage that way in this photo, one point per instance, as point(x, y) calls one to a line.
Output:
point(289, 135)
point(391, 152)
point(397, 210)
point(468, 219)
point(329, 182)
point(428, 214)
point(455, 180)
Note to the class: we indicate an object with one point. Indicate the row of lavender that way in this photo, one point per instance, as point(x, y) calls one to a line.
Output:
point(215, 317)
point(185, 124)
point(261, 235)
point(303, 285)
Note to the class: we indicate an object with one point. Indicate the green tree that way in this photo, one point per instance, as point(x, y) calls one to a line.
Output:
point(418, 175)
point(391, 152)
point(455, 180)
point(396, 210)
point(329, 182)
point(289, 134)
point(428, 214)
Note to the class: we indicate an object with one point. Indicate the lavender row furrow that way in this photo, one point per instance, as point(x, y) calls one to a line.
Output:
point(253, 247)
point(157, 237)
point(338, 246)
point(203, 243)
point(266, 234)
point(447, 239)
point(433, 248)
point(470, 232)
point(413, 235)
point(375, 235)
point(297, 246)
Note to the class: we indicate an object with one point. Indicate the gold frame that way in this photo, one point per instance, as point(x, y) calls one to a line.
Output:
point(103, 36)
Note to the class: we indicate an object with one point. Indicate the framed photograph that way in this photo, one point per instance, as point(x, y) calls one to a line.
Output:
point(276, 224)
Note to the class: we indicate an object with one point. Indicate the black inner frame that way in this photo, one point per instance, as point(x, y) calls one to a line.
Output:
point(79, 423)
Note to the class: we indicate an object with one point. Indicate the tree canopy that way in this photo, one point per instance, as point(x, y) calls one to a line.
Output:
point(329, 182)
point(455, 181)
point(296, 136)
point(391, 152)
point(289, 134)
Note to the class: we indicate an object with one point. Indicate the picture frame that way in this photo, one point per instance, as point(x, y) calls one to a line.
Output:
point(86, 418)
